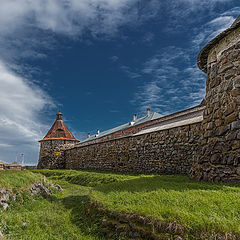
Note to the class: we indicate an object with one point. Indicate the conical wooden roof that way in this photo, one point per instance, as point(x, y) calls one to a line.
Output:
point(59, 131)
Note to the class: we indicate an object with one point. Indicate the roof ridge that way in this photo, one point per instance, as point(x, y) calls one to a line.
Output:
point(122, 127)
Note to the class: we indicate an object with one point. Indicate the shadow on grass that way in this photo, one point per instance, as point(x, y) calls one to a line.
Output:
point(89, 225)
point(166, 182)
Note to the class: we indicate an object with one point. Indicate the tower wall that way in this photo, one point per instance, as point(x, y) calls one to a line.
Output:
point(54, 143)
point(51, 154)
point(219, 154)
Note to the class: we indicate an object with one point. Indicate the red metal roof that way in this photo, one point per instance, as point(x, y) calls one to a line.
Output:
point(59, 131)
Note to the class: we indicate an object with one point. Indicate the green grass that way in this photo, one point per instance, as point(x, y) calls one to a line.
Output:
point(198, 206)
point(18, 179)
point(58, 217)
point(85, 178)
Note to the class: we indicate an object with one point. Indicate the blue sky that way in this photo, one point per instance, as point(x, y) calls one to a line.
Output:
point(99, 62)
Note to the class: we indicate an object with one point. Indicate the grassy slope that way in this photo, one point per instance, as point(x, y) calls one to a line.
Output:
point(198, 206)
point(18, 179)
point(85, 178)
point(58, 217)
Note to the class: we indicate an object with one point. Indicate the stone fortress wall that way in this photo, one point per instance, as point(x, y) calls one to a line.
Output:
point(165, 148)
point(219, 156)
point(202, 142)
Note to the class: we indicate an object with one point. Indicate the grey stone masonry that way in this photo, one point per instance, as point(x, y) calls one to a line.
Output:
point(52, 154)
point(219, 155)
point(168, 151)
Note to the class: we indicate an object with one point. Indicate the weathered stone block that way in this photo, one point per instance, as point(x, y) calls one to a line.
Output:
point(236, 145)
point(229, 109)
point(208, 134)
point(235, 92)
point(218, 122)
point(236, 82)
point(233, 55)
point(228, 86)
point(225, 68)
point(231, 118)
point(231, 136)
point(215, 158)
point(221, 130)
point(217, 115)
point(235, 125)
point(210, 126)
point(213, 71)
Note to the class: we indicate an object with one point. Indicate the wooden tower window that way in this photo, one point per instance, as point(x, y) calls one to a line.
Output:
point(60, 133)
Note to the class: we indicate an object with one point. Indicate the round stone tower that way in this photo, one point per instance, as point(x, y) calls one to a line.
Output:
point(218, 158)
point(51, 150)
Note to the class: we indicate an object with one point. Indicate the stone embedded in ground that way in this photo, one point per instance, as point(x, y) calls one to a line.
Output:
point(58, 187)
point(122, 234)
point(178, 238)
point(4, 205)
point(24, 225)
point(40, 188)
point(5, 196)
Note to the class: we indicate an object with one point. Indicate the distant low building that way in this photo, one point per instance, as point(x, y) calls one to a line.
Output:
point(10, 166)
point(13, 166)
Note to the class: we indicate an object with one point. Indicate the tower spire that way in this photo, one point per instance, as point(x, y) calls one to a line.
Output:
point(59, 116)
point(59, 131)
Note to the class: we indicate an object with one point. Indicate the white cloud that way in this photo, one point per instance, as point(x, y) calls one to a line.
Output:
point(130, 73)
point(20, 105)
point(183, 8)
point(214, 27)
point(191, 11)
point(149, 95)
point(114, 58)
point(232, 12)
point(172, 85)
point(66, 16)
point(163, 92)
point(74, 17)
